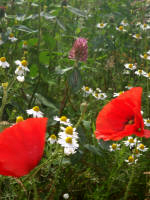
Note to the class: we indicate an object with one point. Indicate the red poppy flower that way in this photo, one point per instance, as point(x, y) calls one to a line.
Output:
point(21, 146)
point(122, 117)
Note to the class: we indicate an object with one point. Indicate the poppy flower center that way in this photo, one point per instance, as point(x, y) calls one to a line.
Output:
point(63, 118)
point(69, 130)
point(69, 140)
point(3, 59)
point(53, 137)
point(114, 146)
point(139, 129)
point(19, 119)
point(130, 121)
point(130, 159)
point(36, 108)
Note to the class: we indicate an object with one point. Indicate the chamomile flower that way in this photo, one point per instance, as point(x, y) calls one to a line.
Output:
point(52, 139)
point(19, 119)
point(145, 56)
point(114, 147)
point(141, 147)
point(131, 142)
point(68, 142)
point(96, 95)
point(148, 52)
point(87, 90)
point(23, 64)
point(147, 122)
point(140, 72)
point(124, 23)
point(137, 36)
point(121, 28)
point(35, 111)
point(131, 160)
point(3, 62)
point(25, 45)
point(69, 131)
point(144, 27)
point(116, 94)
point(101, 25)
point(12, 38)
point(102, 96)
point(147, 75)
point(130, 66)
point(19, 71)
point(66, 196)
point(63, 120)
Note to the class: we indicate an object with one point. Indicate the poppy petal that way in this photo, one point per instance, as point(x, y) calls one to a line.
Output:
point(147, 133)
point(121, 117)
point(21, 146)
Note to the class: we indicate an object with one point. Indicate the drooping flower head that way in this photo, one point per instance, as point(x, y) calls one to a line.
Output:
point(21, 146)
point(122, 117)
point(79, 50)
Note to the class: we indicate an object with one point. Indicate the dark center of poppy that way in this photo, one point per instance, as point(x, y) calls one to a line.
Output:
point(131, 121)
point(139, 129)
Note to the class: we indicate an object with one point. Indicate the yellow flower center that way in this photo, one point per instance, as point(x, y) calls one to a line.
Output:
point(141, 146)
point(3, 59)
point(130, 159)
point(148, 74)
point(63, 118)
point(137, 35)
point(145, 56)
point(130, 66)
point(11, 35)
point(53, 137)
point(145, 25)
point(114, 146)
point(36, 108)
point(25, 42)
point(68, 140)
point(96, 94)
point(19, 119)
point(86, 88)
point(148, 120)
point(121, 28)
point(24, 63)
point(101, 24)
point(131, 140)
point(69, 130)
point(140, 71)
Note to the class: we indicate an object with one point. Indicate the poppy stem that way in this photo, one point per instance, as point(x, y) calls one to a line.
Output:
point(4, 100)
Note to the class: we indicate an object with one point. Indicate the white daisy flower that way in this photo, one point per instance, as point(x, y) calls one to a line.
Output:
point(68, 142)
point(35, 111)
point(147, 122)
point(131, 142)
point(3, 62)
point(52, 139)
point(131, 160)
point(141, 147)
point(130, 66)
point(137, 36)
point(12, 38)
point(20, 78)
point(144, 27)
point(147, 75)
point(102, 96)
point(117, 94)
point(145, 56)
point(121, 28)
point(19, 71)
point(124, 23)
point(63, 120)
point(96, 95)
point(114, 147)
point(66, 196)
point(101, 25)
point(128, 87)
point(25, 45)
point(87, 90)
point(69, 131)
point(23, 64)
point(140, 72)
point(126, 72)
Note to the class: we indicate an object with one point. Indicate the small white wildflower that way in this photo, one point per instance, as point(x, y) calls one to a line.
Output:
point(130, 66)
point(114, 147)
point(124, 23)
point(12, 38)
point(20, 78)
point(52, 139)
point(144, 27)
point(102, 96)
point(131, 142)
point(145, 56)
point(131, 160)
point(35, 111)
point(137, 36)
point(101, 25)
point(3, 62)
point(117, 94)
point(140, 72)
point(66, 196)
point(63, 120)
point(87, 90)
point(121, 28)
point(23, 64)
point(147, 122)
point(141, 147)
point(69, 131)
